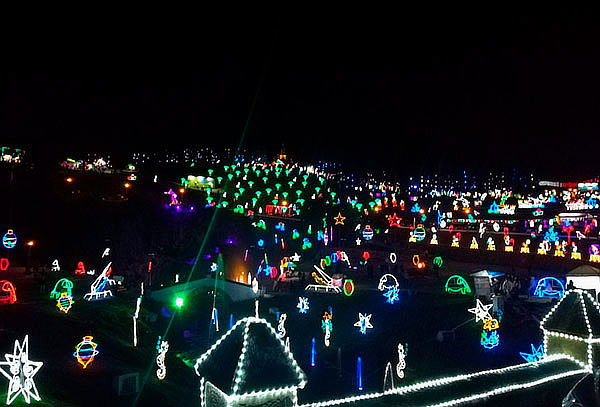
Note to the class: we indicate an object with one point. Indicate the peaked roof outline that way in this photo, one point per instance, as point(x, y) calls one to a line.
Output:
point(240, 373)
point(583, 300)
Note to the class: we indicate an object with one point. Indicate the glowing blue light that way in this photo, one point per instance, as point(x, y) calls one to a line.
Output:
point(549, 287)
point(261, 243)
point(536, 354)
point(551, 235)
point(313, 354)
point(359, 383)
point(490, 341)
point(392, 295)
point(230, 321)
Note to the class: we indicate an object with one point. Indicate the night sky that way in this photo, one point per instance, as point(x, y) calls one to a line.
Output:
point(408, 90)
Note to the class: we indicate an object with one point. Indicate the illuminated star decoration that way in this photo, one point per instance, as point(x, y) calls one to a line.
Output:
point(295, 258)
point(364, 322)
point(303, 305)
point(536, 354)
point(394, 220)
point(481, 311)
point(339, 220)
point(20, 373)
point(392, 295)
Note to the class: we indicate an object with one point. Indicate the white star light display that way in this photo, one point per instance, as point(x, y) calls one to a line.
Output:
point(363, 322)
point(19, 371)
point(481, 311)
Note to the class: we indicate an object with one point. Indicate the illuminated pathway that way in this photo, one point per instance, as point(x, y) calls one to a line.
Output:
point(460, 389)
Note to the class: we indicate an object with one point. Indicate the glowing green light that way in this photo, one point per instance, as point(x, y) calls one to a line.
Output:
point(179, 302)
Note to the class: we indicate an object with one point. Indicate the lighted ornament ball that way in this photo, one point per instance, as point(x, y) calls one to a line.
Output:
point(86, 351)
point(9, 240)
point(367, 233)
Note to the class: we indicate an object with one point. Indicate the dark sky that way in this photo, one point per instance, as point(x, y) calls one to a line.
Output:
point(413, 89)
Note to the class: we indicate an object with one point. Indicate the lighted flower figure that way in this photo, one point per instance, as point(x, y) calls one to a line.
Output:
point(394, 220)
point(481, 311)
point(339, 219)
point(536, 354)
point(213, 267)
point(303, 305)
point(364, 322)
point(19, 371)
point(392, 295)
point(86, 351)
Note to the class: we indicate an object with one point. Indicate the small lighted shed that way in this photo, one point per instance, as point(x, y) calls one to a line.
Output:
point(483, 281)
point(249, 366)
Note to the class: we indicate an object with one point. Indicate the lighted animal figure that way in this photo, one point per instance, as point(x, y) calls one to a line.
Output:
point(86, 351)
point(490, 244)
point(525, 246)
point(457, 285)
point(456, 240)
point(549, 287)
point(401, 361)
point(387, 282)
point(543, 247)
point(509, 243)
point(575, 255)
point(162, 347)
point(327, 326)
point(173, 195)
point(80, 270)
point(64, 285)
point(281, 332)
point(98, 289)
point(474, 244)
point(594, 251)
point(558, 250)
point(8, 292)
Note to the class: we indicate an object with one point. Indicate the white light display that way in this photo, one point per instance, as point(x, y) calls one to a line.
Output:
point(162, 347)
point(281, 332)
point(401, 361)
point(481, 311)
point(364, 322)
point(19, 370)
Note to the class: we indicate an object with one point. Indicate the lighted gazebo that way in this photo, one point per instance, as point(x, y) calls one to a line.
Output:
point(572, 327)
point(250, 366)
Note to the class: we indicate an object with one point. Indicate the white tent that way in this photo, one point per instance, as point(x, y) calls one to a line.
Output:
point(483, 282)
point(585, 277)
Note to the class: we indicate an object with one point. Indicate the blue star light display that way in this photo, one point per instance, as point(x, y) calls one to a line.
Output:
point(536, 354)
